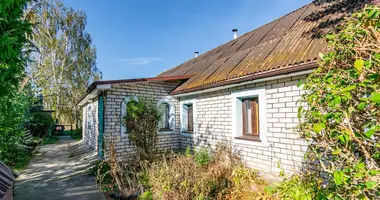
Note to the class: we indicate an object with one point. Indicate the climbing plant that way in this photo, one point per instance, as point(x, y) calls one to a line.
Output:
point(341, 119)
point(141, 120)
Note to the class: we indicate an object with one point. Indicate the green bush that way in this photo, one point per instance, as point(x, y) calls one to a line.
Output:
point(77, 134)
point(41, 124)
point(14, 102)
point(202, 156)
point(180, 176)
point(342, 116)
point(142, 121)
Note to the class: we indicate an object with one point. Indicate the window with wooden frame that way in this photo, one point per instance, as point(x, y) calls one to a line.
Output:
point(250, 118)
point(188, 118)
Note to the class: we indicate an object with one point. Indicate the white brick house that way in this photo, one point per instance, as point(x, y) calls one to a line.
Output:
point(244, 92)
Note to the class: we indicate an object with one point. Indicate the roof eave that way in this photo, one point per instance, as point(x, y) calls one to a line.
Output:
point(97, 87)
point(287, 70)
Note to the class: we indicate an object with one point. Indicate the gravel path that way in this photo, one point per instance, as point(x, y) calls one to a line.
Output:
point(59, 173)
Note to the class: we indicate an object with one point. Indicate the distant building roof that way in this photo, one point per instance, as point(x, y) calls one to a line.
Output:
point(288, 44)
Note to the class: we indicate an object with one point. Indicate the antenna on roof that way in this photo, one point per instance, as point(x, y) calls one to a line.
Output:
point(235, 31)
point(196, 54)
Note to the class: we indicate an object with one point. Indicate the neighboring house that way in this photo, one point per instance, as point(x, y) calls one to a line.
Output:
point(244, 92)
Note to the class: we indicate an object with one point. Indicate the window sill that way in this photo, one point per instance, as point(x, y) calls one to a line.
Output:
point(187, 133)
point(249, 138)
point(165, 131)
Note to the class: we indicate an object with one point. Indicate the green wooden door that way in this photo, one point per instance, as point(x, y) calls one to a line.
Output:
point(101, 125)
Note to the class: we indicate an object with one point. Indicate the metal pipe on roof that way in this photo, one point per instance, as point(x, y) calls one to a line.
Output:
point(235, 31)
point(196, 54)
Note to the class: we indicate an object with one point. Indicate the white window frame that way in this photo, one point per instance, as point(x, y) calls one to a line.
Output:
point(183, 123)
point(123, 112)
point(172, 117)
point(237, 127)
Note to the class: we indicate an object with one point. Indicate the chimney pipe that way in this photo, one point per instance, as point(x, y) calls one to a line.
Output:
point(235, 31)
point(196, 54)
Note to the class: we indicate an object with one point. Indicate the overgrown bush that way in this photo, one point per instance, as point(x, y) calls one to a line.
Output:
point(41, 124)
point(224, 177)
point(142, 121)
point(342, 116)
point(178, 176)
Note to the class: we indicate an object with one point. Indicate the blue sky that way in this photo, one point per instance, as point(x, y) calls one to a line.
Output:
point(141, 38)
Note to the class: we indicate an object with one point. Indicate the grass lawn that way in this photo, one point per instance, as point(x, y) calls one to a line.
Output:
point(50, 140)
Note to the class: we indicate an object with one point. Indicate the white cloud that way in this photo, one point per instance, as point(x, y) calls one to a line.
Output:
point(139, 60)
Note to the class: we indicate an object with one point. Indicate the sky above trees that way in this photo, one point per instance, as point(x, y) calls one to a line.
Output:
point(143, 38)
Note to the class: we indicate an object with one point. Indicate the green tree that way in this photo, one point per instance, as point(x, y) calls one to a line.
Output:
point(14, 50)
point(65, 63)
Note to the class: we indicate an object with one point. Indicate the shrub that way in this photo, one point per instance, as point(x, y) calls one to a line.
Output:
point(142, 120)
point(342, 116)
point(202, 156)
point(41, 124)
point(77, 134)
point(179, 176)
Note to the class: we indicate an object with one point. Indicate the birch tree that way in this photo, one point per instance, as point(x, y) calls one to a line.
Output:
point(65, 63)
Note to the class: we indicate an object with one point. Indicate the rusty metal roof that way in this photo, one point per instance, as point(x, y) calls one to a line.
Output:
point(288, 43)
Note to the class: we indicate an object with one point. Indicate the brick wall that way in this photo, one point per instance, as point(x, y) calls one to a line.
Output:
point(90, 133)
point(284, 148)
point(113, 101)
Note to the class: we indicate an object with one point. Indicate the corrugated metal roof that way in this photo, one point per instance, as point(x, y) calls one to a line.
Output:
point(7, 177)
point(289, 41)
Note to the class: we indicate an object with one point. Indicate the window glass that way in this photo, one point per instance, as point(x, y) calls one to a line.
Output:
point(250, 112)
point(164, 123)
point(190, 118)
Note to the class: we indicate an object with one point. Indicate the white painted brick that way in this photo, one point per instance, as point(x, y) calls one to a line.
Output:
point(278, 105)
point(292, 93)
point(285, 89)
point(278, 95)
point(286, 99)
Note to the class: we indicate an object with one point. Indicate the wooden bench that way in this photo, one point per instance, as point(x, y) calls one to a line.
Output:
point(29, 141)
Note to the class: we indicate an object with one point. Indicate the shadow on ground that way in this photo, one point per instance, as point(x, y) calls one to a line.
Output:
point(59, 172)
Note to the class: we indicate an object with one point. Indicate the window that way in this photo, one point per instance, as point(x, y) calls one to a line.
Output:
point(167, 122)
point(190, 124)
point(123, 113)
point(250, 117)
point(164, 123)
point(187, 116)
point(90, 121)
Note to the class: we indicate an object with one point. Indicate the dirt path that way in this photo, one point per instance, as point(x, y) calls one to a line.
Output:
point(59, 172)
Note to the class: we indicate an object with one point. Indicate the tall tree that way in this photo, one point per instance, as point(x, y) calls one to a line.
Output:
point(14, 47)
point(65, 63)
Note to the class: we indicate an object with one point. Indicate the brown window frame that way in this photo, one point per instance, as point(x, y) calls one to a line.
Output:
point(255, 119)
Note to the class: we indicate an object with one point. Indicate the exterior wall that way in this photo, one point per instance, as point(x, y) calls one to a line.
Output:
point(90, 134)
point(113, 100)
point(283, 146)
